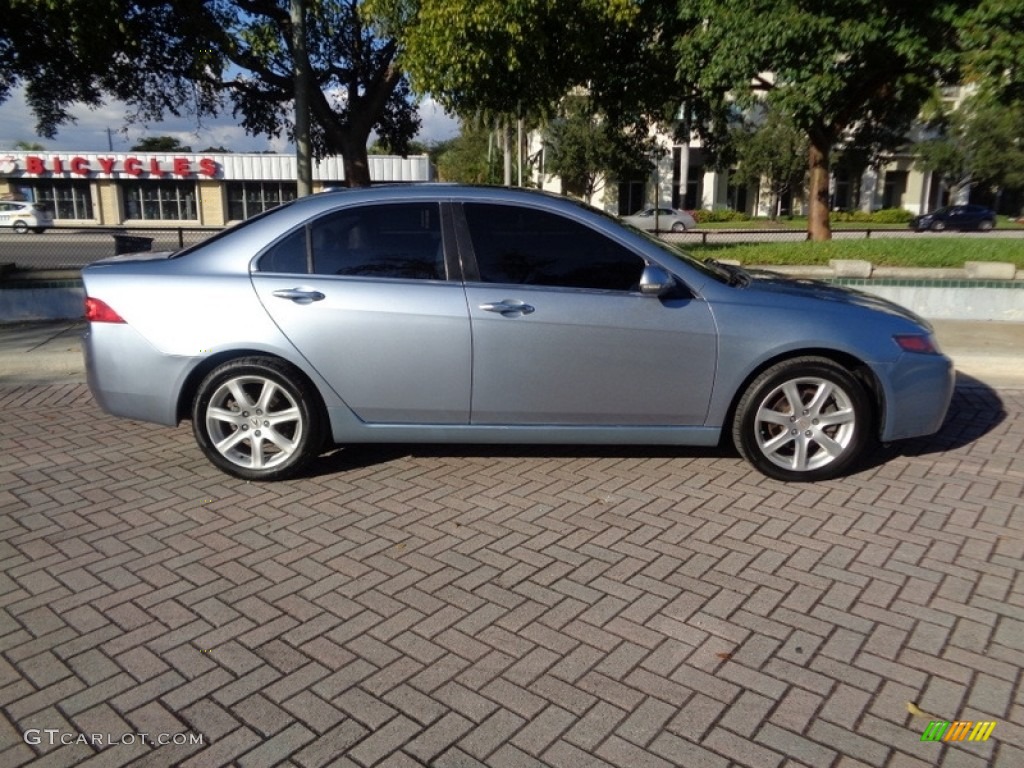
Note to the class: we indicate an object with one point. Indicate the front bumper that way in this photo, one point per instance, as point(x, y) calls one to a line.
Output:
point(918, 390)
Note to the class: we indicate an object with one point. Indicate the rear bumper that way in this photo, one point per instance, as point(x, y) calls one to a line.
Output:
point(129, 377)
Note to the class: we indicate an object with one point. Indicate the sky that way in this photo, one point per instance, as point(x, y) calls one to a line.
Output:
point(90, 132)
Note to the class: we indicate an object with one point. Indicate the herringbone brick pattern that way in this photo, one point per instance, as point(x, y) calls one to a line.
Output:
point(506, 607)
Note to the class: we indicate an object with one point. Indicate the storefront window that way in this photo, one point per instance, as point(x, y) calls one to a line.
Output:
point(248, 198)
point(65, 199)
point(160, 200)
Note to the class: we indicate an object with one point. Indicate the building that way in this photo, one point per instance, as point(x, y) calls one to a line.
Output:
point(140, 189)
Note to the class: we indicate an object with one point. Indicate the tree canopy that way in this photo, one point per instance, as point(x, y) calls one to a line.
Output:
point(160, 144)
point(834, 68)
point(201, 57)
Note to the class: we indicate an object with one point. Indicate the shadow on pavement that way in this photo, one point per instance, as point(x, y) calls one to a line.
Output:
point(975, 410)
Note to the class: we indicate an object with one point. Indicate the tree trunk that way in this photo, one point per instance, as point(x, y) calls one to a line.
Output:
point(357, 164)
point(818, 226)
point(303, 84)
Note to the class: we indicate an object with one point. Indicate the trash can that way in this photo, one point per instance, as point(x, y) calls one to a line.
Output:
point(132, 244)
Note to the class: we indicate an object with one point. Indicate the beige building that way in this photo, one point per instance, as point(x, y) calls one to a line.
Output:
point(141, 189)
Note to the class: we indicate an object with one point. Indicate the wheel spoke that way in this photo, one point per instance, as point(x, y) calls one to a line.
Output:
point(821, 398)
point(771, 416)
point(222, 414)
point(792, 394)
point(838, 418)
point(267, 395)
point(800, 453)
point(830, 446)
point(258, 459)
point(773, 445)
point(229, 442)
point(282, 442)
point(282, 417)
point(243, 400)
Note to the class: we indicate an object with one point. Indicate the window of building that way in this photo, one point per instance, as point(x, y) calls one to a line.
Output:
point(694, 198)
point(248, 198)
point(65, 199)
point(160, 200)
point(529, 247)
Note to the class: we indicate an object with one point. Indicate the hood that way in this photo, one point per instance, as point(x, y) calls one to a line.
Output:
point(774, 283)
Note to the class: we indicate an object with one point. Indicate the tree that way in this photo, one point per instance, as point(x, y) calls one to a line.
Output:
point(200, 56)
point(980, 144)
point(835, 68)
point(28, 146)
point(464, 159)
point(583, 148)
point(771, 151)
point(160, 144)
point(508, 60)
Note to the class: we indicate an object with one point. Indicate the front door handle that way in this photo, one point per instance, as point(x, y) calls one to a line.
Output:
point(299, 295)
point(508, 308)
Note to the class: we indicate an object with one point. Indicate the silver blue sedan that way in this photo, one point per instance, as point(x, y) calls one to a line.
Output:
point(437, 313)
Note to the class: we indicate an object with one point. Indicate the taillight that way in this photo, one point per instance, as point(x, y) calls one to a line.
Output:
point(97, 311)
point(921, 343)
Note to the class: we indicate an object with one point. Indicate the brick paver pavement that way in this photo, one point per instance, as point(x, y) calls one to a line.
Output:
point(505, 606)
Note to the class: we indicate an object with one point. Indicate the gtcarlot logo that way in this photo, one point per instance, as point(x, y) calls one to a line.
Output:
point(53, 737)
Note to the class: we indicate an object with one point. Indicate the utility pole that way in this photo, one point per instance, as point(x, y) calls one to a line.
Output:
point(301, 74)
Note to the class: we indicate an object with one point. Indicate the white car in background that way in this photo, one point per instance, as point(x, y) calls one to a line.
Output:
point(22, 217)
point(661, 220)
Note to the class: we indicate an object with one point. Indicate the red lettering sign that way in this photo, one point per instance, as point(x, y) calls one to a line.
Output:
point(107, 164)
point(80, 166)
point(34, 165)
point(154, 167)
point(58, 167)
point(208, 167)
point(132, 166)
point(182, 167)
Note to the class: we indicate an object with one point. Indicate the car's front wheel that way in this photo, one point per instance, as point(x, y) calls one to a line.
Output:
point(20, 227)
point(986, 225)
point(938, 226)
point(258, 418)
point(803, 419)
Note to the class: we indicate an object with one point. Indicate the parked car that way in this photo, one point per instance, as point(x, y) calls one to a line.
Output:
point(429, 313)
point(661, 219)
point(22, 217)
point(961, 217)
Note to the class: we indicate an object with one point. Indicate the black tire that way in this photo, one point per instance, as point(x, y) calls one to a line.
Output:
point(20, 227)
point(678, 227)
point(986, 225)
point(797, 447)
point(275, 392)
point(938, 226)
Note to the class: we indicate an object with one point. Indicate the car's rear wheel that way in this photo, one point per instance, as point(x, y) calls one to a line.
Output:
point(985, 225)
point(678, 226)
point(20, 227)
point(803, 419)
point(258, 418)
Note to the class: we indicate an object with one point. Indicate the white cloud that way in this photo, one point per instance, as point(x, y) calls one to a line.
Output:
point(96, 130)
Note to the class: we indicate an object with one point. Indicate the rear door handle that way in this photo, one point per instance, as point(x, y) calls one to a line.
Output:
point(508, 308)
point(299, 295)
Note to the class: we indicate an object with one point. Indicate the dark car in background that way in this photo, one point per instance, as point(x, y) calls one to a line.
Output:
point(958, 217)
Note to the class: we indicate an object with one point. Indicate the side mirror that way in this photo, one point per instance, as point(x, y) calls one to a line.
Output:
point(655, 281)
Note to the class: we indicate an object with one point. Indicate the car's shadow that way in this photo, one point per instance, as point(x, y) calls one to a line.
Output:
point(975, 410)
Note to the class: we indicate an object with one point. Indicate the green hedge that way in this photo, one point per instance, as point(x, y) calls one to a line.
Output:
point(720, 214)
point(884, 216)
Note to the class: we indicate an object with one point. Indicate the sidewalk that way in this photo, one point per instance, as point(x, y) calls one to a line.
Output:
point(50, 351)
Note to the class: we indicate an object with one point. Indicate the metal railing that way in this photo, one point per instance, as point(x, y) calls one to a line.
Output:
point(72, 247)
